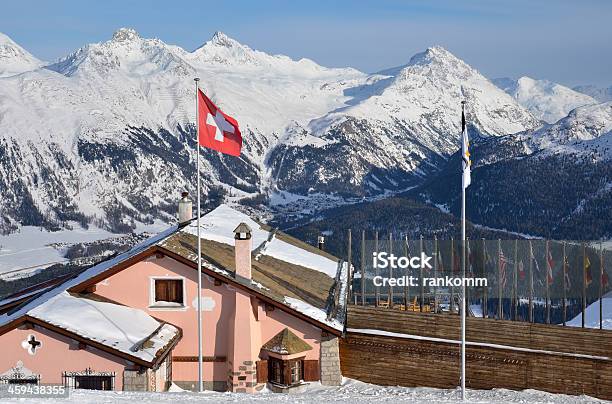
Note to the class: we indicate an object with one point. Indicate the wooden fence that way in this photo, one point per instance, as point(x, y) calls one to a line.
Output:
point(419, 349)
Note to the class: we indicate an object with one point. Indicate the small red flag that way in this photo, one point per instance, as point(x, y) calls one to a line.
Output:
point(218, 131)
point(549, 268)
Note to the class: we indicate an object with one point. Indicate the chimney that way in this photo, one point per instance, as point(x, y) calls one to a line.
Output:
point(185, 208)
point(321, 242)
point(243, 242)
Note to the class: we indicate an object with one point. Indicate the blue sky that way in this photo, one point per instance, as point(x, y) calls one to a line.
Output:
point(565, 41)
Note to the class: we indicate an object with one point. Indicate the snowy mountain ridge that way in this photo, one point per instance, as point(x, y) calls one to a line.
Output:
point(14, 59)
point(601, 94)
point(121, 112)
point(548, 101)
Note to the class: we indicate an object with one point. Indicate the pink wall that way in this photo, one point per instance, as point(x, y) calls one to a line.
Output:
point(56, 355)
point(132, 287)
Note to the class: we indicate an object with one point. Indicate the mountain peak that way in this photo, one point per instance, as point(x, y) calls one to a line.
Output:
point(125, 35)
point(14, 59)
point(221, 39)
point(5, 39)
point(431, 54)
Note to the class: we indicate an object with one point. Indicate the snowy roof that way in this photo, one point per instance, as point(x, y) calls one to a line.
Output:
point(95, 270)
point(293, 273)
point(121, 328)
point(288, 271)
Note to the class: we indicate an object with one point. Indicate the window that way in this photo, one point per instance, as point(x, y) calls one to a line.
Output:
point(296, 372)
point(168, 292)
point(276, 371)
point(89, 380)
point(93, 382)
point(31, 380)
point(285, 372)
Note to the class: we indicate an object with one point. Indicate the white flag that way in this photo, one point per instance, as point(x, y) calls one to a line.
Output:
point(465, 152)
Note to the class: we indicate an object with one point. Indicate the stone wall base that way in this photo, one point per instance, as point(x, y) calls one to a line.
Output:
point(135, 380)
point(331, 374)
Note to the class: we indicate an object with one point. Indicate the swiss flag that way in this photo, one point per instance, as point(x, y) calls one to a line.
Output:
point(218, 131)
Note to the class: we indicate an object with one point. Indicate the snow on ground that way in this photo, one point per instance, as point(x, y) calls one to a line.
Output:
point(351, 391)
point(591, 315)
point(476, 310)
point(30, 247)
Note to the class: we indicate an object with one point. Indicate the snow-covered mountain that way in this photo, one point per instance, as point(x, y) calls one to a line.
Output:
point(401, 121)
point(601, 94)
point(105, 135)
point(14, 59)
point(546, 100)
point(553, 182)
point(588, 127)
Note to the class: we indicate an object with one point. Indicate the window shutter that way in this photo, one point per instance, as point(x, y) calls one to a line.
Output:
point(262, 371)
point(179, 291)
point(311, 370)
point(161, 290)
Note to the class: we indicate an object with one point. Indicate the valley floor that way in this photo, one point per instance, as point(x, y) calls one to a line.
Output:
point(351, 391)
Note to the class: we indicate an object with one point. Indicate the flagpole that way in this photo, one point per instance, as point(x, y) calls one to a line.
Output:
point(601, 277)
point(484, 274)
point(199, 298)
point(583, 281)
point(515, 283)
point(531, 257)
point(463, 185)
point(548, 268)
point(499, 281)
point(564, 285)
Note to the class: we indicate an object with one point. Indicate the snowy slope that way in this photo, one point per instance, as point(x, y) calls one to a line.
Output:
point(426, 94)
point(398, 128)
point(126, 105)
point(591, 315)
point(601, 94)
point(121, 112)
point(587, 128)
point(14, 59)
point(546, 100)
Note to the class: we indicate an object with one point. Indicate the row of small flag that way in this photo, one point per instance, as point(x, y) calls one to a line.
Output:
point(503, 263)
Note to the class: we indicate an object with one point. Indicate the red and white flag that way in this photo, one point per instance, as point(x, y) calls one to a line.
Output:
point(218, 131)
point(549, 268)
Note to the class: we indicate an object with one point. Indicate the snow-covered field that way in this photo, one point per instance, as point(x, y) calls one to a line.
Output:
point(32, 248)
point(591, 315)
point(351, 391)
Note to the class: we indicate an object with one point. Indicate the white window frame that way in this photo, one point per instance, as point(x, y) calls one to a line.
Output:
point(153, 303)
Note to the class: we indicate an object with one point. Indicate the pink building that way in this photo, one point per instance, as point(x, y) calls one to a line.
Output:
point(273, 309)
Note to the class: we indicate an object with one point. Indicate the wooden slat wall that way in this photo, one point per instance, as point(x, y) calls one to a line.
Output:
point(513, 333)
point(399, 361)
